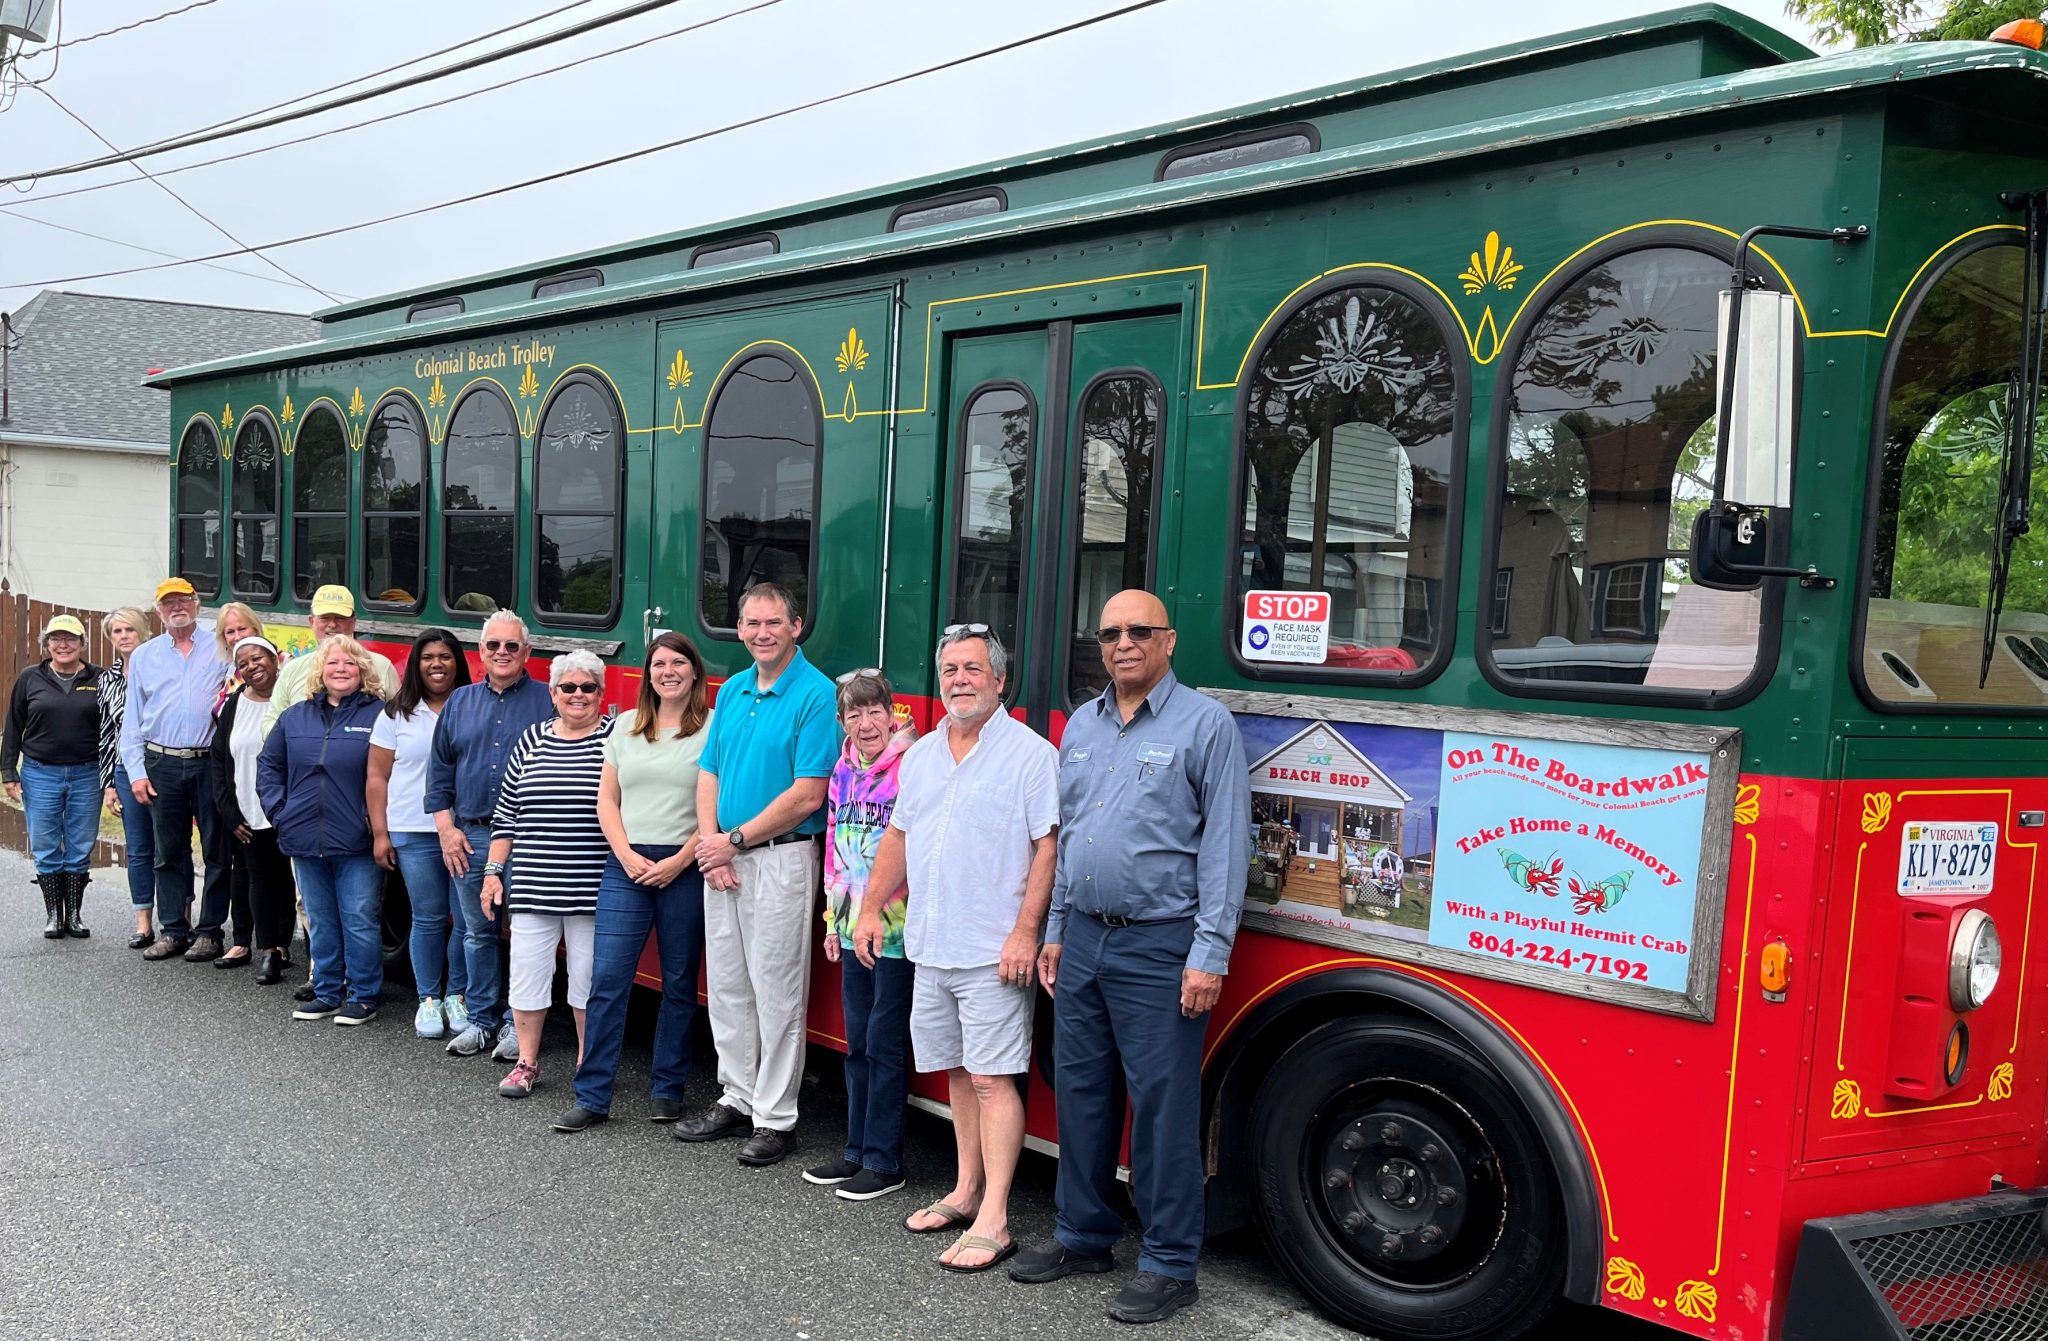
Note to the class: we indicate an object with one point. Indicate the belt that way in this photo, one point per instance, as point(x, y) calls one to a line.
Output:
point(779, 840)
point(1119, 920)
point(179, 751)
point(473, 823)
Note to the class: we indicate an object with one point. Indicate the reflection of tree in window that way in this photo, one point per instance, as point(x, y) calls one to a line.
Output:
point(1120, 426)
point(576, 489)
point(392, 503)
point(761, 437)
point(319, 503)
point(199, 509)
point(1348, 420)
point(995, 496)
point(479, 496)
point(255, 520)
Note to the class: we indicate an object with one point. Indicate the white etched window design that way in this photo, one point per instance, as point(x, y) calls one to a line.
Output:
point(199, 520)
point(256, 479)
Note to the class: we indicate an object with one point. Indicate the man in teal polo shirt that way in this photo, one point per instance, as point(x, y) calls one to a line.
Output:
point(760, 810)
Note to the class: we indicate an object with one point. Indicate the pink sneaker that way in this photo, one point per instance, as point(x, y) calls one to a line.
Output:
point(519, 1084)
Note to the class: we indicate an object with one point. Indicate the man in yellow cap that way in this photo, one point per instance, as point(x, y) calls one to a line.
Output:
point(334, 611)
point(166, 739)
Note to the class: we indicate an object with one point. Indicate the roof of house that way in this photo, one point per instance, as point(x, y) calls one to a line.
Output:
point(1319, 727)
point(77, 361)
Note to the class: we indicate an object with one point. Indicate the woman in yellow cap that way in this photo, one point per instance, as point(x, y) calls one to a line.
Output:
point(50, 762)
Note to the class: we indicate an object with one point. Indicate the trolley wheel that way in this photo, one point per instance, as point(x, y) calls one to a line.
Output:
point(1403, 1187)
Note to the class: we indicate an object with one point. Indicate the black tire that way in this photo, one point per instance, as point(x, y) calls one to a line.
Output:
point(1403, 1187)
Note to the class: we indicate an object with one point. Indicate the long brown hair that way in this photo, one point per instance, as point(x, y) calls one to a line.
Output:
point(695, 711)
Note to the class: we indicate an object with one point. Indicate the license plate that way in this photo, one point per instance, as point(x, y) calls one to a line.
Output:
point(1950, 857)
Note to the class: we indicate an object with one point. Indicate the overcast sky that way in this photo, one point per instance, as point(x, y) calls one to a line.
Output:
point(1171, 62)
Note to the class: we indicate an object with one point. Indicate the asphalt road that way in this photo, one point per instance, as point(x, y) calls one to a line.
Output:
point(179, 1159)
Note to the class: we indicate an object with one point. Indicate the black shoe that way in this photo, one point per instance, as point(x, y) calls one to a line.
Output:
point(766, 1146)
point(53, 906)
point(714, 1124)
point(832, 1174)
point(304, 993)
point(577, 1118)
point(272, 969)
point(170, 949)
point(317, 1010)
point(1151, 1297)
point(232, 961)
point(1052, 1260)
point(74, 899)
point(142, 940)
point(867, 1185)
point(664, 1110)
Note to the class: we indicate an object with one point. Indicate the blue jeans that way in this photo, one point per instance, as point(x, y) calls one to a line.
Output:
point(342, 936)
point(625, 913)
point(184, 796)
point(139, 834)
point(877, 1002)
point(483, 948)
point(62, 803)
point(438, 952)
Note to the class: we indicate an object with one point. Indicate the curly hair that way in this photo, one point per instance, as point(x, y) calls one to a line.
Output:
point(316, 682)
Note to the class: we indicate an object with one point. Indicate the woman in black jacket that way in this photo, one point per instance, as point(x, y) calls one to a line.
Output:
point(259, 875)
point(49, 761)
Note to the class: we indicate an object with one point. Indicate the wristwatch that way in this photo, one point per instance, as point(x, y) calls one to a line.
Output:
point(739, 840)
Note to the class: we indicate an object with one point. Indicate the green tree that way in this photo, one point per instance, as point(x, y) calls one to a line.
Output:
point(1870, 23)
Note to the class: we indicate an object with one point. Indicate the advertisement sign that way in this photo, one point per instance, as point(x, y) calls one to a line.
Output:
point(1289, 626)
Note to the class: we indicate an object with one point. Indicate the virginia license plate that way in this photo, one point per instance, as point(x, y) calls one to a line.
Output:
point(1950, 857)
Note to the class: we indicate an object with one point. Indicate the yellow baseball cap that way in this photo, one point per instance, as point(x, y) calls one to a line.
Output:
point(64, 624)
point(174, 586)
point(333, 600)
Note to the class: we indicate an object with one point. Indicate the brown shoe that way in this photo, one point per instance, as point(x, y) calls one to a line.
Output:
point(166, 949)
point(203, 949)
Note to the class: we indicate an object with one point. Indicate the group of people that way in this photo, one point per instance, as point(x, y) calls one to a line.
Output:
point(962, 871)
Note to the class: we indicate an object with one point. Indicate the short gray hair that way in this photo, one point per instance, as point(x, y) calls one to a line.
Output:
point(578, 660)
point(510, 617)
point(998, 655)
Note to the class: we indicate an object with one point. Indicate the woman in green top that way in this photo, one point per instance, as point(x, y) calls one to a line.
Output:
point(647, 803)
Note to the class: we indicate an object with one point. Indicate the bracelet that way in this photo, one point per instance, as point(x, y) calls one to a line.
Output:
point(494, 868)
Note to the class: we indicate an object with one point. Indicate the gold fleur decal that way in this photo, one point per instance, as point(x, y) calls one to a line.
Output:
point(2000, 1088)
point(853, 355)
point(287, 414)
point(355, 403)
point(1847, 1101)
point(1624, 1278)
point(529, 385)
point(679, 373)
point(1877, 811)
point(1493, 268)
point(436, 397)
point(1748, 802)
point(851, 407)
point(227, 417)
point(1698, 1299)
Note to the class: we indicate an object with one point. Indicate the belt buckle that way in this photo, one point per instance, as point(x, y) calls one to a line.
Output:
point(1113, 919)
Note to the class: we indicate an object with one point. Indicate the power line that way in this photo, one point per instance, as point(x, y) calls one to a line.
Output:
point(629, 155)
point(242, 126)
point(139, 23)
point(401, 113)
point(153, 251)
point(190, 208)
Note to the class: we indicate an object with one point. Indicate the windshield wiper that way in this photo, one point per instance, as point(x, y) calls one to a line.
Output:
point(2023, 403)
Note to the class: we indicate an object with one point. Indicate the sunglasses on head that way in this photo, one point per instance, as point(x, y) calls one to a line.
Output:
point(966, 631)
point(864, 673)
point(577, 687)
point(1140, 633)
point(502, 644)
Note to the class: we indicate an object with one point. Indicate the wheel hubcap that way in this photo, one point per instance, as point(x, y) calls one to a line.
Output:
point(1394, 1181)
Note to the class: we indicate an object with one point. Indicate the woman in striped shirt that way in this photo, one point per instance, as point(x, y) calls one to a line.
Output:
point(547, 815)
point(127, 629)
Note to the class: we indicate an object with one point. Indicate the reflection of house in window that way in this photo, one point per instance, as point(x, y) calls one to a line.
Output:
point(1503, 598)
point(1624, 589)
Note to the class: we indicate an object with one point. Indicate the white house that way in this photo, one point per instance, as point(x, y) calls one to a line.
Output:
point(1325, 812)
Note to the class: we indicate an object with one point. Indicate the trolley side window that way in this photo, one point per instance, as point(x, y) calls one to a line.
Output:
point(997, 444)
point(479, 505)
point(319, 503)
point(1120, 433)
point(1350, 435)
point(578, 460)
point(199, 509)
point(1948, 403)
point(761, 436)
point(394, 516)
point(1609, 455)
point(256, 483)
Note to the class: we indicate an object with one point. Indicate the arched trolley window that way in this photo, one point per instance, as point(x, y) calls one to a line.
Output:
point(198, 491)
point(394, 506)
point(257, 477)
point(480, 505)
point(1351, 425)
point(761, 436)
point(1606, 456)
point(579, 464)
point(319, 472)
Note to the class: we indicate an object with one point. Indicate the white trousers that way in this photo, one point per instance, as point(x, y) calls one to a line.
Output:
point(757, 969)
point(531, 980)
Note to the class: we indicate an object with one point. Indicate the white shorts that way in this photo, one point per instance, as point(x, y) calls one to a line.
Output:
point(970, 1018)
point(530, 983)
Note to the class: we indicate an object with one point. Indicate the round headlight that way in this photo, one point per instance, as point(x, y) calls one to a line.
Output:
point(1974, 961)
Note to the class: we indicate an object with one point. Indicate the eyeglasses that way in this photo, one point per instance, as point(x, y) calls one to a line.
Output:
point(864, 673)
point(1140, 633)
point(966, 631)
point(502, 644)
point(577, 687)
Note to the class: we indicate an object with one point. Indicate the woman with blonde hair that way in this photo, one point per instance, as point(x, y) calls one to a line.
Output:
point(127, 629)
point(312, 780)
point(236, 622)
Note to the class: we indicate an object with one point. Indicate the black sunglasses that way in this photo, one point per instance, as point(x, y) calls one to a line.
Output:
point(1140, 633)
point(577, 687)
point(502, 644)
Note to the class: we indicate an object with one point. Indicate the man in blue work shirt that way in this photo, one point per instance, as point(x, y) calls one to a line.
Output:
point(479, 725)
point(166, 739)
point(1155, 835)
point(760, 810)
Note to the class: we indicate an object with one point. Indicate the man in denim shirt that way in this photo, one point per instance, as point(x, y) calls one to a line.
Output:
point(479, 725)
point(1155, 835)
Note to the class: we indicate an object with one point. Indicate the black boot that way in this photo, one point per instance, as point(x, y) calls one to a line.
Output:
point(53, 906)
point(74, 899)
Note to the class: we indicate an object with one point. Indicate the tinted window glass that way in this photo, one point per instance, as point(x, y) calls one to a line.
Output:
point(392, 460)
point(1610, 455)
point(447, 307)
point(576, 283)
point(760, 487)
point(393, 498)
point(1938, 479)
point(319, 503)
point(1196, 160)
point(575, 573)
point(577, 461)
point(1350, 420)
point(998, 440)
point(479, 493)
point(945, 212)
point(319, 554)
point(199, 519)
point(734, 252)
point(255, 521)
point(1120, 424)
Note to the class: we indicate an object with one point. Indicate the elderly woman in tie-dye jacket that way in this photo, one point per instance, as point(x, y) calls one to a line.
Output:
point(859, 800)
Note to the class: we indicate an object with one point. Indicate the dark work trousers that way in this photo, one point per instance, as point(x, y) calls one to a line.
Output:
point(266, 896)
point(184, 795)
point(876, 1002)
point(1117, 1018)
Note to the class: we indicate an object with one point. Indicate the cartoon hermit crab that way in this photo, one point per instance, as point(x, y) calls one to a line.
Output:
point(1599, 896)
point(1534, 876)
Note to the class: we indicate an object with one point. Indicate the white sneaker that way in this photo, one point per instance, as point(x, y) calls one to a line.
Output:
point(508, 1044)
point(455, 1012)
point(428, 1021)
